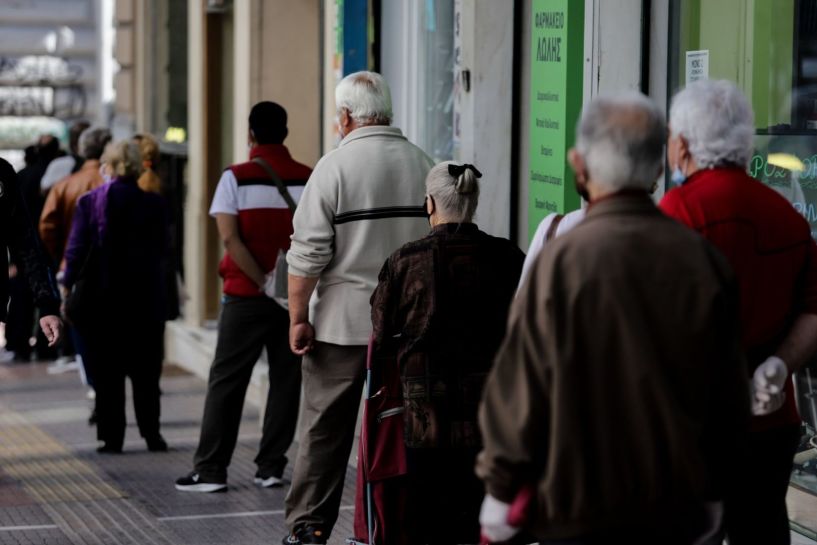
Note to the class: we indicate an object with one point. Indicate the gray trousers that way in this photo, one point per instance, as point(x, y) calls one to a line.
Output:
point(246, 326)
point(333, 378)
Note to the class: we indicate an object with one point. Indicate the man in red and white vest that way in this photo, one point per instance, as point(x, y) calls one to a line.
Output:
point(255, 223)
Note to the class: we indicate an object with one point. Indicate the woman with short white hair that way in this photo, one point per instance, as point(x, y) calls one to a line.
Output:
point(711, 126)
point(771, 251)
point(114, 275)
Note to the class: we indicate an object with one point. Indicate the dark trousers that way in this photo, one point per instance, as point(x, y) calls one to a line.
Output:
point(755, 510)
point(247, 325)
point(333, 385)
point(79, 348)
point(443, 496)
point(20, 320)
point(135, 351)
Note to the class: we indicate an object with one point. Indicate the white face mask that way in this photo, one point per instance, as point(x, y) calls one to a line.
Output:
point(103, 171)
point(678, 177)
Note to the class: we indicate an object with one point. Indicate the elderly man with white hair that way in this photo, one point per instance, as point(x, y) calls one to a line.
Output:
point(620, 385)
point(362, 202)
point(770, 248)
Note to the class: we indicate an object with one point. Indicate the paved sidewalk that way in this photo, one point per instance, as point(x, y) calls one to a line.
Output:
point(56, 489)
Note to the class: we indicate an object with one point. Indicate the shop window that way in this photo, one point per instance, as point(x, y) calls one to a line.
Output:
point(769, 48)
point(436, 87)
point(417, 59)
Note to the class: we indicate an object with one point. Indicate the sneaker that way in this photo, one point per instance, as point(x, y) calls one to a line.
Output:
point(195, 483)
point(267, 481)
point(306, 535)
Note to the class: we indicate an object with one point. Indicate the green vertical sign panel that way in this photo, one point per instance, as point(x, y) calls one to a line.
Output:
point(556, 83)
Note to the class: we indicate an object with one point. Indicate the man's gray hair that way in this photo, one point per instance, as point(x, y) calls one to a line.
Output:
point(715, 119)
point(621, 138)
point(92, 142)
point(367, 97)
point(456, 198)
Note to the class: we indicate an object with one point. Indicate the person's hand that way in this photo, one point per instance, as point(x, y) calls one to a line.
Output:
point(768, 386)
point(301, 338)
point(52, 328)
point(493, 518)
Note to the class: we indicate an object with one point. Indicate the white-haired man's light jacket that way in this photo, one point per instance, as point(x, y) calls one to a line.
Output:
point(363, 201)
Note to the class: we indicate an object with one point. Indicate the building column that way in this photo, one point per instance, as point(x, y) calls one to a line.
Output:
point(195, 219)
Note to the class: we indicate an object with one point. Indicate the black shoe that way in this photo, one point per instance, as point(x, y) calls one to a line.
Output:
point(265, 480)
point(108, 448)
point(196, 483)
point(306, 535)
point(156, 444)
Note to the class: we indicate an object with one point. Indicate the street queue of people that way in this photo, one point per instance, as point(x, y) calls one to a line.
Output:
point(106, 239)
point(632, 385)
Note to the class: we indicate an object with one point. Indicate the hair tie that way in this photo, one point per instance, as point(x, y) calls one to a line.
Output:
point(457, 170)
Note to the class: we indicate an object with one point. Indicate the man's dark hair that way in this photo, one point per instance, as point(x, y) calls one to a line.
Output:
point(268, 123)
point(48, 148)
point(73, 136)
point(30, 155)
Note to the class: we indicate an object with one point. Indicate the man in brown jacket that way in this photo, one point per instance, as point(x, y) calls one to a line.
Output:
point(58, 212)
point(619, 390)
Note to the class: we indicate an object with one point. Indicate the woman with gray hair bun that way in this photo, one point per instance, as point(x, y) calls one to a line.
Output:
point(114, 275)
point(439, 314)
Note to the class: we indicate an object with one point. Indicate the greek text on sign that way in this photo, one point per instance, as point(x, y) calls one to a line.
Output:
point(697, 65)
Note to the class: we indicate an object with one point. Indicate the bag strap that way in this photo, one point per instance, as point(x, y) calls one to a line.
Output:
point(282, 189)
point(551, 232)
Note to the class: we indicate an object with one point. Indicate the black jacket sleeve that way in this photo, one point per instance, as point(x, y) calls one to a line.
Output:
point(24, 246)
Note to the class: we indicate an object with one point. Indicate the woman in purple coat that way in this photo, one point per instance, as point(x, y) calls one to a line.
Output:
point(116, 251)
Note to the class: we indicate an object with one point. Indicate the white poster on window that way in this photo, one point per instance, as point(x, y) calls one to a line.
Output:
point(697, 65)
point(457, 110)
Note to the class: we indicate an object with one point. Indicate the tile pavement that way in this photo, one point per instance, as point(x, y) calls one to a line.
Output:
point(56, 489)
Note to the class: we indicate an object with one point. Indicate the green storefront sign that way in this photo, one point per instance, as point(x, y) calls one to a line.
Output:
point(557, 44)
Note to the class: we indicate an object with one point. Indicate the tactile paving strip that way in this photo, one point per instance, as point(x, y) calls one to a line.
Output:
point(44, 467)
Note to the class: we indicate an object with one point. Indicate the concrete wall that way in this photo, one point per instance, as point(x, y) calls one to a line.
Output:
point(288, 69)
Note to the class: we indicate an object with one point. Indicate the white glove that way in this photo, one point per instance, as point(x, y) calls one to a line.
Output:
point(269, 285)
point(493, 517)
point(768, 386)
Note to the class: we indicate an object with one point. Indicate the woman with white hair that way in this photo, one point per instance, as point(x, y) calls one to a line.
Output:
point(113, 271)
point(770, 248)
point(446, 299)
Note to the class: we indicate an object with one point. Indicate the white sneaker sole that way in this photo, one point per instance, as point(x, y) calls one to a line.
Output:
point(268, 482)
point(201, 487)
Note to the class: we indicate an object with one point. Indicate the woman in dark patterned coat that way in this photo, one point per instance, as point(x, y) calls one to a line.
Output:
point(441, 306)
